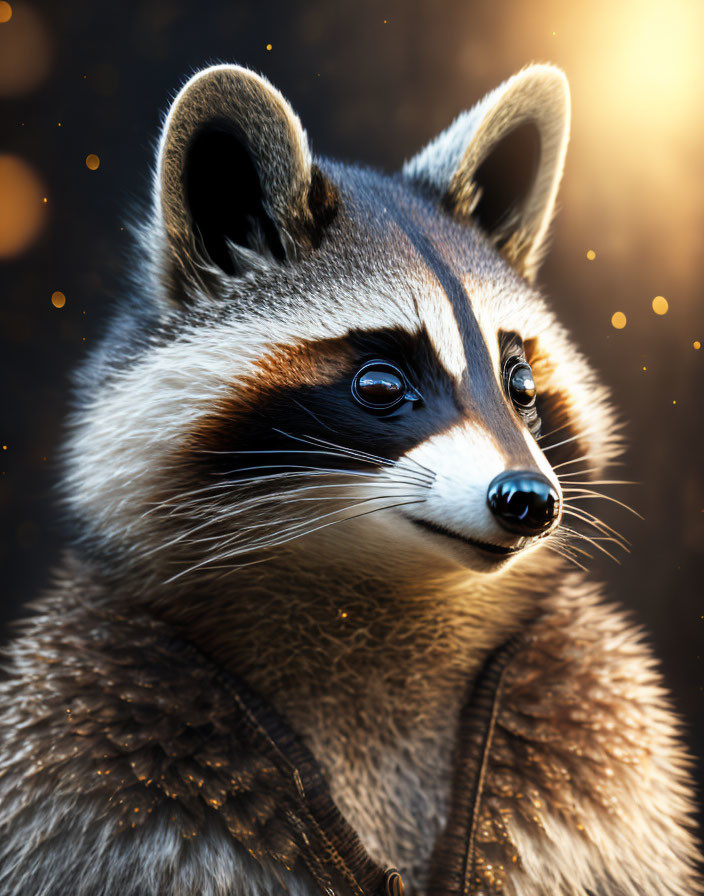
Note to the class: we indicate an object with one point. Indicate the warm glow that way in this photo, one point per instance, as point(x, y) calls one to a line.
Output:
point(5, 12)
point(697, 344)
point(636, 69)
point(58, 299)
point(22, 211)
point(268, 46)
point(658, 45)
point(660, 305)
point(591, 254)
point(92, 162)
point(618, 320)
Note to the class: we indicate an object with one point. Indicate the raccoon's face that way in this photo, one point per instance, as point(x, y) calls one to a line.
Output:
point(336, 364)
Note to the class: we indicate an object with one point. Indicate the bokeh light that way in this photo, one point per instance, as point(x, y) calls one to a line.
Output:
point(92, 162)
point(25, 51)
point(618, 320)
point(660, 305)
point(58, 299)
point(22, 209)
point(591, 254)
point(5, 12)
point(697, 344)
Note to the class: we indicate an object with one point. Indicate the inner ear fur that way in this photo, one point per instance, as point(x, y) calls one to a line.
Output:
point(235, 173)
point(500, 164)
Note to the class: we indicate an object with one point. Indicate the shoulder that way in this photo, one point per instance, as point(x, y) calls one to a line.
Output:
point(588, 765)
point(122, 769)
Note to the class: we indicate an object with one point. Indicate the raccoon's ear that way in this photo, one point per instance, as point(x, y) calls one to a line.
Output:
point(501, 162)
point(235, 185)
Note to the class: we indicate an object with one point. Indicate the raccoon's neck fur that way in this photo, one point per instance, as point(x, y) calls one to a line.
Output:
point(371, 671)
point(296, 629)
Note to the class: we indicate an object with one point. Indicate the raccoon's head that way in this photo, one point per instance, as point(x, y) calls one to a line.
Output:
point(337, 365)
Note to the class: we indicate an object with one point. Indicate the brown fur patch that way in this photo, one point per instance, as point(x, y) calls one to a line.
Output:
point(559, 418)
point(285, 367)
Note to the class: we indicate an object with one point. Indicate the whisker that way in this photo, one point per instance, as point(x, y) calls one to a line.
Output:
point(569, 546)
point(279, 542)
point(305, 521)
point(596, 544)
point(574, 460)
point(314, 472)
point(279, 522)
point(602, 527)
point(213, 517)
point(546, 435)
point(583, 494)
point(559, 553)
point(286, 451)
point(562, 476)
point(314, 416)
point(315, 440)
point(374, 481)
point(596, 522)
point(563, 442)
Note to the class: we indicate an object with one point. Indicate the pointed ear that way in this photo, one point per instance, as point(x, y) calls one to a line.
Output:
point(236, 189)
point(501, 163)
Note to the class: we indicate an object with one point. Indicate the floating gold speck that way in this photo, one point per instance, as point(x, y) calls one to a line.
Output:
point(58, 299)
point(5, 12)
point(591, 254)
point(268, 46)
point(618, 320)
point(697, 344)
point(92, 162)
point(660, 305)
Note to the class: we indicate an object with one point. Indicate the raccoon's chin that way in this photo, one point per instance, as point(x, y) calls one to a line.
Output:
point(474, 553)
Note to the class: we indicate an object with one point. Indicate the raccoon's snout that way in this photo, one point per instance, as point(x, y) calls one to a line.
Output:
point(523, 502)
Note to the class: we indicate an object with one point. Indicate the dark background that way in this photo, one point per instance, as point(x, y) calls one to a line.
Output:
point(372, 81)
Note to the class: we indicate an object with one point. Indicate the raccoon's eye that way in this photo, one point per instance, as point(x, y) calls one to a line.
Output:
point(381, 386)
point(520, 386)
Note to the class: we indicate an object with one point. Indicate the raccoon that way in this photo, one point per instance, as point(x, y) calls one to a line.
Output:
point(321, 628)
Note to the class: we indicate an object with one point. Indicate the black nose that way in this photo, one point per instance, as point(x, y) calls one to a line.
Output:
point(523, 502)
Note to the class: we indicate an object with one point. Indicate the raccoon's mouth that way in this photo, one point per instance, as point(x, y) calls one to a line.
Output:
point(481, 545)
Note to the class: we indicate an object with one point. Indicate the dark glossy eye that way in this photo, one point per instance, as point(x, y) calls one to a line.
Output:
point(519, 384)
point(381, 386)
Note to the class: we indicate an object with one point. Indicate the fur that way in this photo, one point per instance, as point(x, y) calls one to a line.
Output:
point(237, 513)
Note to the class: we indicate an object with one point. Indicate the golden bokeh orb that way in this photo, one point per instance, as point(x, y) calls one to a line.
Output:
point(268, 46)
point(591, 254)
point(697, 344)
point(22, 210)
point(26, 53)
point(618, 320)
point(660, 305)
point(92, 162)
point(58, 299)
